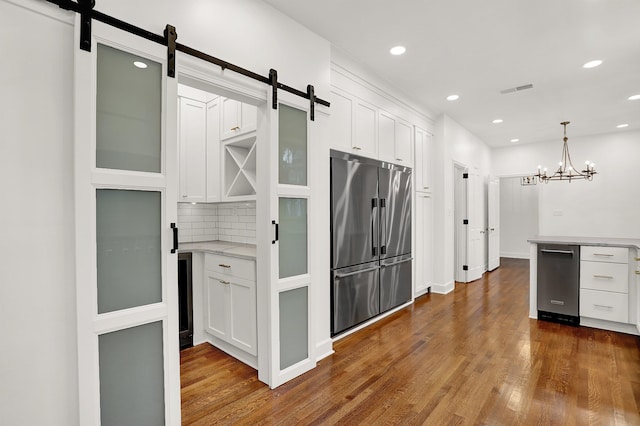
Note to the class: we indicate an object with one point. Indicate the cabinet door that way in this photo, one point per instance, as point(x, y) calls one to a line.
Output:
point(230, 111)
point(242, 315)
point(213, 151)
point(424, 243)
point(248, 118)
point(366, 125)
point(193, 139)
point(217, 305)
point(386, 136)
point(341, 122)
point(423, 161)
point(404, 142)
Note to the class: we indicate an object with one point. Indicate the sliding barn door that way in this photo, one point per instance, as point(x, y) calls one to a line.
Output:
point(125, 191)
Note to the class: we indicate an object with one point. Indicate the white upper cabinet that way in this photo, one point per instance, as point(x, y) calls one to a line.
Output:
point(193, 150)
point(236, 118)
point(404, 143)
point(424, 160)
point(395, 139)
point(199, 151)
point(366, 130)
point(386, 137)
point(341, 122)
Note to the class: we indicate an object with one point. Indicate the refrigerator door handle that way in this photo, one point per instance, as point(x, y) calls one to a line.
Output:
point(374, 226)
point(383, 218)
point(386, 265)
point(361, 271)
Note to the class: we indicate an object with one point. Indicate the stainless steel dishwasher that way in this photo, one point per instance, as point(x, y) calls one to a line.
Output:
point(559, 283)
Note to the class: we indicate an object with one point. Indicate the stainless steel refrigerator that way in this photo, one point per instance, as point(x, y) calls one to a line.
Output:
point(371, 238)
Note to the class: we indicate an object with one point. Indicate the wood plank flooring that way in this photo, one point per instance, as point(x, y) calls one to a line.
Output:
point(470, 357)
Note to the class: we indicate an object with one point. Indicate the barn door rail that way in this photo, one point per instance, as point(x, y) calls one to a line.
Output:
point(87, 12)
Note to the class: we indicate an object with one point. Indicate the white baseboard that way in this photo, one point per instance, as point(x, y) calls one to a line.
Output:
point(324, 349)
point(609, 325)
point(422, 291)
point(515, 255)
point(443, 288)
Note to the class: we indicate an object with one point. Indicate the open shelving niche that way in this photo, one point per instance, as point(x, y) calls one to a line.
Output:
point(240, 168)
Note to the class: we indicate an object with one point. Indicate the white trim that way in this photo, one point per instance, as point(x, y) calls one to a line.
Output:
point(324, 349)
point(351, 75)
point(609, 325)
point(443, 288)
point(423, 291)
point(514, 255)
point(45, 9)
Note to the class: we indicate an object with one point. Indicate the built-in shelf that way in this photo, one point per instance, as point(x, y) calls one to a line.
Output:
point(240, 168)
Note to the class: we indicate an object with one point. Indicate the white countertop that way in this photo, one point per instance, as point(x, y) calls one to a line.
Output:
point(226, 248)
point(587, 241)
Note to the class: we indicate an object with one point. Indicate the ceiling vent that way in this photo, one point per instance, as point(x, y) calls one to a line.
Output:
point(517, 89)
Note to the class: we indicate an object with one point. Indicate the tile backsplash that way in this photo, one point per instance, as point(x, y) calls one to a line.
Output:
point(234, 222)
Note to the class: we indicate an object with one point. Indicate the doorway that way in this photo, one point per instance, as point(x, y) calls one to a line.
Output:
point(518, 215)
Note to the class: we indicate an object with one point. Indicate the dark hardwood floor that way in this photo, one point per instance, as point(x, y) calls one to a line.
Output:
point(470, 357)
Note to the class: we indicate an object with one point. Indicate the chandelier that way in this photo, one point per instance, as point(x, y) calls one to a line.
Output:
point(566, 170)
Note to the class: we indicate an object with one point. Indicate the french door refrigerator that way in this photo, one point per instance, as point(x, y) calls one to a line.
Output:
point(371, 238)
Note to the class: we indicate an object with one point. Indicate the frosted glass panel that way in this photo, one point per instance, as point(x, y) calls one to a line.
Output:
point(128, 102)
point(132, 376)
point(294, 327)
point(293, 237)
point(128, 243)
point(292, 146)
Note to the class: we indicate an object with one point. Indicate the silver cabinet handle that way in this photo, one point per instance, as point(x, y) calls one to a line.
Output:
point(357, 148)
point(603, 254)
point(602, 306)
point(235, 128)
point(356, 272)
point(556, 302)
point(609, 277)
point(224, 282)
point(222, 265)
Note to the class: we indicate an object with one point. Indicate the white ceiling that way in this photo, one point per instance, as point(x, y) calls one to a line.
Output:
point(477, 48)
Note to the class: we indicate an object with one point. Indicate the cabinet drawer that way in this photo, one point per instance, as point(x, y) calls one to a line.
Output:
point(604, 254)
point(241, 268)
point(604, 305)
point(604, 276)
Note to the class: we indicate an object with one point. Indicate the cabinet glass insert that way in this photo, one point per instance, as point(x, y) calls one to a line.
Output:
point(132, 376)
point(292, 237)
point(128, 111)
point(294, 327)
point(128, 247)
point(292, 161)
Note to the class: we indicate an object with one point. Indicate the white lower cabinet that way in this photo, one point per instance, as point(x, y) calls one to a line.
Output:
point(230, 301)
point(604, 283)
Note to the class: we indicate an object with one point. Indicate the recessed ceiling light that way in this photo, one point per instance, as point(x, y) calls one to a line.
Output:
point(515, 140)
point(453, 97)
point(140, 64)
point(622, 126)
point(397, 50)
point(592, 64)
point(634, 97)
point(497, 121)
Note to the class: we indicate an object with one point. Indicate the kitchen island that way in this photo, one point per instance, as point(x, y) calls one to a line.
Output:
point(609, 281)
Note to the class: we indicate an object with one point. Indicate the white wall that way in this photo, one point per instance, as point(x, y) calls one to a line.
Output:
point(452, 143)
point(518, 217)
point(38, 379)
point(609, 206)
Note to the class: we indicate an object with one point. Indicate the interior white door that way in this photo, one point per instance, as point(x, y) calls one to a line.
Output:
point(461, 221)
point(475, 227)
point(125, 201)
point(286, 161)
point(493, 219)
